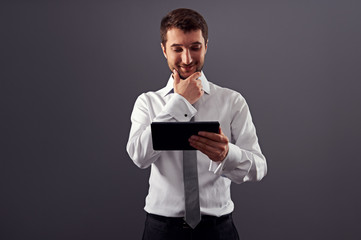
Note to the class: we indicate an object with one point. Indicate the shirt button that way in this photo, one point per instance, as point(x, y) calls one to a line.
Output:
point(186, 115)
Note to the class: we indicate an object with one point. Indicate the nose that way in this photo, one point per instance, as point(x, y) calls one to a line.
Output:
point(186, 57)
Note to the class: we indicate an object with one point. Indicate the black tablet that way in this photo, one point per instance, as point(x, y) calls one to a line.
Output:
point(175, 135)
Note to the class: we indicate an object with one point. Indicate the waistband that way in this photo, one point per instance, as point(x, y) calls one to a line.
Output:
point(205, 219)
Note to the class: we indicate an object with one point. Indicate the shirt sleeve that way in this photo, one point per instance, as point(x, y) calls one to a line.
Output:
point(140, 145)
point(244, 161)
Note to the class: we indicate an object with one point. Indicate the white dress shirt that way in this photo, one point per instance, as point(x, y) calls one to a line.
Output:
point(244, 162)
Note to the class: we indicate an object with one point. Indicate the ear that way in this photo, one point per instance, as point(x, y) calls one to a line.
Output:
point(206, 46)
point(163, 50)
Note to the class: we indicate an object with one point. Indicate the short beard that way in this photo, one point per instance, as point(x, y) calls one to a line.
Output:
point(184, 78)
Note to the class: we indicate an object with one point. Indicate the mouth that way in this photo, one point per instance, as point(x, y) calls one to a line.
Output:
point(187, 68)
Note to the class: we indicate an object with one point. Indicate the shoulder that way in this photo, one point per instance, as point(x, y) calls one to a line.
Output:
point(225, 93)
point(150, 97)
point(152, 94)
point(230, 98)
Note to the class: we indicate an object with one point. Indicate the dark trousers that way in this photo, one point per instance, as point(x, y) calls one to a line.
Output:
point(210, 228)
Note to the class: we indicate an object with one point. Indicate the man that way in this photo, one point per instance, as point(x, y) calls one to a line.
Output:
point(232, 155)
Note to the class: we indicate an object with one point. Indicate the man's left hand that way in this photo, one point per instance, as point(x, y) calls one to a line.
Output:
point(214, 145)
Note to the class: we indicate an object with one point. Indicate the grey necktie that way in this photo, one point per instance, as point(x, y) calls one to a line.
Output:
point(191, 188)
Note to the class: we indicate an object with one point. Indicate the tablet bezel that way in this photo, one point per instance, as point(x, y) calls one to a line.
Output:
point(174, 135)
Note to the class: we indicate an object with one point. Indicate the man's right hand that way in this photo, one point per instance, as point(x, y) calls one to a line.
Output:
point(190, 88)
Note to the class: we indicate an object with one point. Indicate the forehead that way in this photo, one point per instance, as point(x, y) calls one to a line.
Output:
point(177, 36)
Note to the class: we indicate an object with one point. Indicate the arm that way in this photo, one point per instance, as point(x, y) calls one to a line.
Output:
point(140, 146)
point(178, 108)
point(241, 158)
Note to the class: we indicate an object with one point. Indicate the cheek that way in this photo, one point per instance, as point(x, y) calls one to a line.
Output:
point(198, 58)
point(174, 59)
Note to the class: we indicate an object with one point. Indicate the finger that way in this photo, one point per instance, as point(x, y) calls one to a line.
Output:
point(209, 146)
point(205, 141)
point(194, 76)
point(208, 154)
point(176, 76)
point(212, 150)
point(213, 154)
point(213, 136)
point(204, 148)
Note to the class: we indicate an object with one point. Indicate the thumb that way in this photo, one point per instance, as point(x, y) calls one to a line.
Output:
point(220, 131)
point(195, 75)
point(176, 76)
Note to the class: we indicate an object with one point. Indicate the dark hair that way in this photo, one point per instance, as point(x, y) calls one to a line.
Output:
point(184, 19)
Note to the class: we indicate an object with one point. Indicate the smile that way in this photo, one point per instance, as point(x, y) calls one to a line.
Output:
point(187, 68)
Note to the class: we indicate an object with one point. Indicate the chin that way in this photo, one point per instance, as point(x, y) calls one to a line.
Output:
point(185, 75)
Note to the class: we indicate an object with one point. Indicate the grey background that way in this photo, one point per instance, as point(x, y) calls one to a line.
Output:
point(71, 71)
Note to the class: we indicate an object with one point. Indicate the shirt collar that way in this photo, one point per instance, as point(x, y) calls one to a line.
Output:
point(169, 88)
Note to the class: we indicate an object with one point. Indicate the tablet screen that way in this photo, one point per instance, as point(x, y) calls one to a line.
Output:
point(175, 135)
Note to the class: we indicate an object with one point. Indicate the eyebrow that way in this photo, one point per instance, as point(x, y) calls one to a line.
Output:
point(179, 45)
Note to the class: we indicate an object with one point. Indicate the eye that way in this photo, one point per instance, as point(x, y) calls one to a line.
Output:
point(196, 48)
point(178, 50)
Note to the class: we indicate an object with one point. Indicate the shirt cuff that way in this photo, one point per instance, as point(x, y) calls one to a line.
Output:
point(179, 108)
point(216, 167)
point(233, 160)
